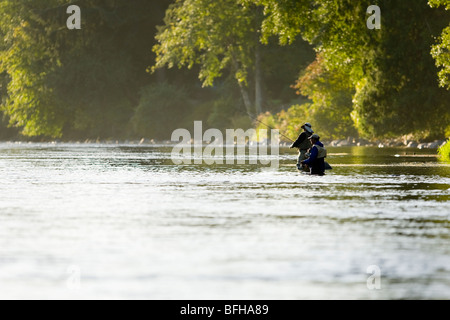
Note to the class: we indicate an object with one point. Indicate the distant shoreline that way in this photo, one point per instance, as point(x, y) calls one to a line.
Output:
point(349, 142)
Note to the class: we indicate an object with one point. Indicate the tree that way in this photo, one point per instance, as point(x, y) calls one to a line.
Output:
point(28, 57)
point(152, 118)
point(217, 36)
point(75, 83)
point(331, 93)
point(441, 50)
point(398, 93)
point(395, 93)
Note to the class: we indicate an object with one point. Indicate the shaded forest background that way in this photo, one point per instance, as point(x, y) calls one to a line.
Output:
point(142, 68)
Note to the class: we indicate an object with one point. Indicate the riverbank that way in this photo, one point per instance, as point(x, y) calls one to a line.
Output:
point(349, 142)
point(386, 143)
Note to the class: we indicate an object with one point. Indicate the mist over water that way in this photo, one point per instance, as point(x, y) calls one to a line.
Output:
point(124, 222)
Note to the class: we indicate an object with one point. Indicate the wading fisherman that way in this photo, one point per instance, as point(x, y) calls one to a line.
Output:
point(316, 161)
point(303, 143)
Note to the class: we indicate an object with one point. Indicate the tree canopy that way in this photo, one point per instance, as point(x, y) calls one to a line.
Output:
point(63, 82)
point(390, 71)
point(441, 50)
point(221, 37)
point(237, 58)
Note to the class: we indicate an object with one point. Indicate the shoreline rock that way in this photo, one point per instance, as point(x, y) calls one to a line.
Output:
point(392, 143)
point(349, 142)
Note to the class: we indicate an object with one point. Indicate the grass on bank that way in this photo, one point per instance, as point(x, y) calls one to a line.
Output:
point(444, 152)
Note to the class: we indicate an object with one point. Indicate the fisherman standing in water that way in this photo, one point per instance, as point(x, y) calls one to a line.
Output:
point(316, 161)
point(303, 144)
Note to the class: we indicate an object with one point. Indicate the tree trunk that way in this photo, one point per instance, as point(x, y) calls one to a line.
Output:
point(258, 81)
point(246, 98)
point(244, 92)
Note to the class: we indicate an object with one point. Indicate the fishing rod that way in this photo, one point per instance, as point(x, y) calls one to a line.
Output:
point(254, 118)
point(327, 165)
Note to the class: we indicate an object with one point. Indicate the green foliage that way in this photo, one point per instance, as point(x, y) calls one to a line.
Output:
point(331, 94)
point(201, 112)
point(209, 33)
point(86, 83)
point(28, 58)
point(399, 93)
point(217, 36)
point(5, 132)
point(223, 110)
point(223, 38)
point(225, 115)
point(447, 131)
point(267, 121)
point(444, 152)
point(394, 93)
point(152, 119)
point(437, 3)
point(75, 83)
point(281, 66)
point(441, 50)
point(289, 122)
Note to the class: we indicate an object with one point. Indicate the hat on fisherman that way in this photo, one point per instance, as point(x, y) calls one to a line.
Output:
point(314, 136)
point(308, 127)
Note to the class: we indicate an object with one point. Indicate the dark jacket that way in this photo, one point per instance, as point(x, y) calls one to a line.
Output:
point(316, 164)
point(302, 142)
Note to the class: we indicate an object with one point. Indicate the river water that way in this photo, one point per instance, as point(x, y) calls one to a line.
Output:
point(86, 221)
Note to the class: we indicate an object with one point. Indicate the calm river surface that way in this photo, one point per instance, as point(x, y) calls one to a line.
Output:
point(124, 222)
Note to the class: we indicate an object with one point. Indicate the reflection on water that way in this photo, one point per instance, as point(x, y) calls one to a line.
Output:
point(99, 221)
